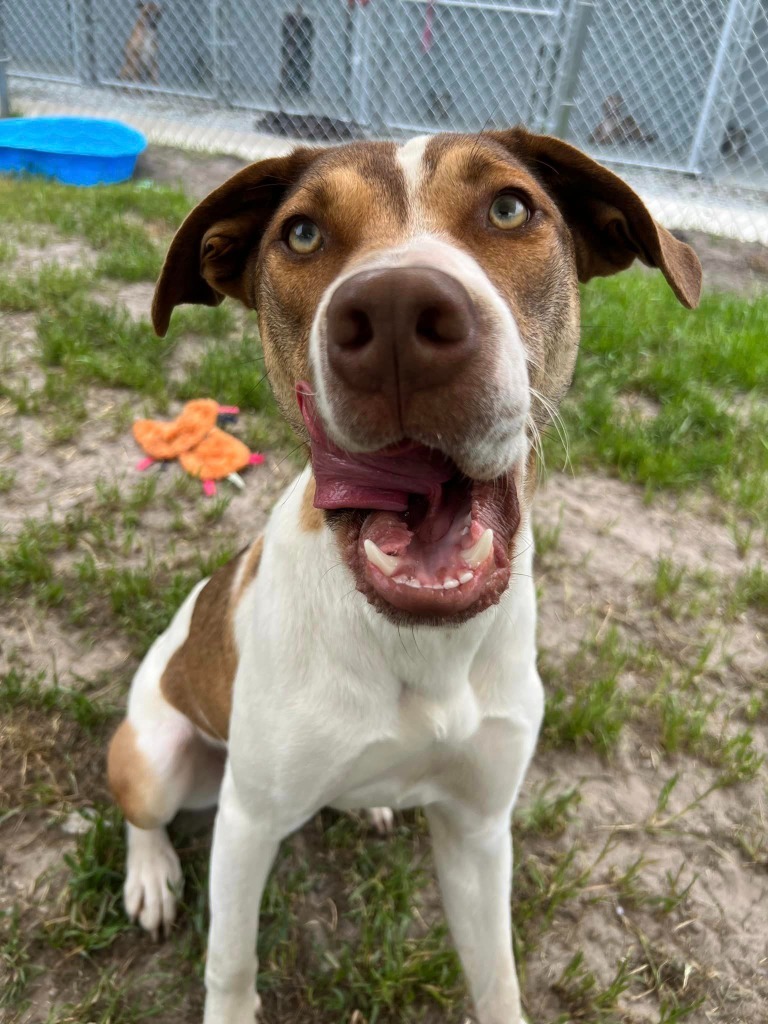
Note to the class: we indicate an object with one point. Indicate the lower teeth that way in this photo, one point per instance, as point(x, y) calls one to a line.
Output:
point(448, 584)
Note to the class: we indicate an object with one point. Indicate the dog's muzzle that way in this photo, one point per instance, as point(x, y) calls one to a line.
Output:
point(399, 331)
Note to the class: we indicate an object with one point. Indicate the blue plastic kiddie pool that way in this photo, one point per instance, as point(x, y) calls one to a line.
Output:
point(75, 150)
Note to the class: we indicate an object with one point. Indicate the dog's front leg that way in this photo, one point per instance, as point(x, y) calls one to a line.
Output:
point(473, 856)
point(243, 851)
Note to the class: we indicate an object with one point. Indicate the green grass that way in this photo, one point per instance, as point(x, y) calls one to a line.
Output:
point(94, 915)
point(16, 965)
point(684, 719)
point(750, 591)
point(394, 965)
point(234, 373)
point(590, 708)
point(94, 587)
point(132, 256)
point(143, 600)
point(634, 891)
point(94, 214)
point(148, 995)
point(20, 691)
point(7, 480)
point(50, 288)
point(706, 370)
point(585, 997)
point(545, 812)
point(26, 561)
point(547, 538)
point(91, 343)
point(7, 251)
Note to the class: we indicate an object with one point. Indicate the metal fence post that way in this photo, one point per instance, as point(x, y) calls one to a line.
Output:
point(219, 84)
point(5, 106)
point(739, 20)
point(86, 45)
point(569, 79)
point(361, 77)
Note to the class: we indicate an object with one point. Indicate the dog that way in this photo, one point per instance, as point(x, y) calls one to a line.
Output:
point(735, 140)
point(140, 64)
point(419, 312)
point(440, 106)
point(316, 127)
point(617, 127)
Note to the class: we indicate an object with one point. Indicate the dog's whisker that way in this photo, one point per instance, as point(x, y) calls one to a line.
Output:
point(557, 422)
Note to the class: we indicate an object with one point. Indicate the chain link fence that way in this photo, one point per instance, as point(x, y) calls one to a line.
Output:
point(675, 92)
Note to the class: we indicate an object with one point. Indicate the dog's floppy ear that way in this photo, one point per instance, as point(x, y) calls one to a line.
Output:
point(208, 254)
point(610, 224)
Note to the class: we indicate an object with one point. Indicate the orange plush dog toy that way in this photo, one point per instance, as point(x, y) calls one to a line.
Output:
point(195, 439)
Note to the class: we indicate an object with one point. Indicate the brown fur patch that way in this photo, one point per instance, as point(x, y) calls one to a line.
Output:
point(251, 562)
point(532, 267)
point(310, 518)
point(130, 779)
point(198, 678)
point(357, 198)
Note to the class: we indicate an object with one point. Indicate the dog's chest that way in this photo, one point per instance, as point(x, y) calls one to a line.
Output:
point(427, 738)
point(423, 720)
point(148, 45)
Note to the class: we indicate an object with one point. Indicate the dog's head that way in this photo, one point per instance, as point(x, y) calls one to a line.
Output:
point(613, 105)
point(150, 14)
point(419, 312)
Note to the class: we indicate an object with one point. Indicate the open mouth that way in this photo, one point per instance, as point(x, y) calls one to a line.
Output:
point(420, 537)
point(442, 555)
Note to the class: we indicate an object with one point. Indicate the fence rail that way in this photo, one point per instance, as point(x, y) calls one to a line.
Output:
point(675, 85)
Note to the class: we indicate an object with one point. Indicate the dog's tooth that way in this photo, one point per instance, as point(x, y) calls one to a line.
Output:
point(466, 577)
point(449, 584)
point(465, 531)
point(412, 582)
point(480, 550)
point(386, 563)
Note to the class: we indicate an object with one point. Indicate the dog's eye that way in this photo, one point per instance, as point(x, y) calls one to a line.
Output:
point(304, 237)
point(508, 211)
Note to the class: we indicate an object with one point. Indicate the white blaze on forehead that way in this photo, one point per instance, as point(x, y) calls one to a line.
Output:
point(410, 157)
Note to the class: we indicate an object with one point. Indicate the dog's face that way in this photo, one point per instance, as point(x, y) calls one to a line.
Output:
point(150, 14)
point(419, 312)
point(612, 105)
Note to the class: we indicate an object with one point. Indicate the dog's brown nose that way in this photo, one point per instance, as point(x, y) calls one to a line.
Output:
point(401, 329)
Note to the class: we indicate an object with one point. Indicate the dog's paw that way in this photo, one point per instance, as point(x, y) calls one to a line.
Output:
point(152, 883)
point(231, 1008)
point(382, 819)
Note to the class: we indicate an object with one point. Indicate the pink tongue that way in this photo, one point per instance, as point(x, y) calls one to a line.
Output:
point(374, 480)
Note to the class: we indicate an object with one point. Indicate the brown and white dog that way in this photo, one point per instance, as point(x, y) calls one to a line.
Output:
point(419, 311)
point(140, 64)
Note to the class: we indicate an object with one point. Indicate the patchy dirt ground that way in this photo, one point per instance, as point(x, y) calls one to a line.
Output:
point(642, 847)
point(608, 542)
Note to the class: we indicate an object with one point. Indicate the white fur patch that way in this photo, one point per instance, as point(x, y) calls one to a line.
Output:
point(410, 156)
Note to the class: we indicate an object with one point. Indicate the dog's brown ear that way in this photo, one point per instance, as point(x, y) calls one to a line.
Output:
point(610, 224)
point(208, 254)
